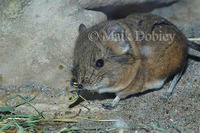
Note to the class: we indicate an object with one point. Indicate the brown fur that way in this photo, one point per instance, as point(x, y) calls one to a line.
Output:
point(129, 67)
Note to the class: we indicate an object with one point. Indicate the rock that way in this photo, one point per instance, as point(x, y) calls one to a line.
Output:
point(37, 39)
point(182, 13)
point(116, 9)
point(101, 3)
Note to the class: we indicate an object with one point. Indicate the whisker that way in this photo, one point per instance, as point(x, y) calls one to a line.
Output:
point(91, 75)
point(99, 79)
point(68, 64)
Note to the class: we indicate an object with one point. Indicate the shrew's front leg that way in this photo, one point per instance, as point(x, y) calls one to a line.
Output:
point(113, 104)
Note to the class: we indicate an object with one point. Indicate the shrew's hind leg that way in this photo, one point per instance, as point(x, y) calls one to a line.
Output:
point(175, 80)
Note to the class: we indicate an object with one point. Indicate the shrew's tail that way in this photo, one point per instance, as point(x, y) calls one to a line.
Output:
point(194, 45)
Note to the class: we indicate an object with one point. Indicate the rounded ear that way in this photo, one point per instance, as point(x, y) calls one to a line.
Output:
point(82, 27)
point(117, 36)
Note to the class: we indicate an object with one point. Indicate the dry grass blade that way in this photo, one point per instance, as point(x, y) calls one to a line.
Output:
point(78, 117)
point(194, 39)
point(26, 100)
point(57, 120)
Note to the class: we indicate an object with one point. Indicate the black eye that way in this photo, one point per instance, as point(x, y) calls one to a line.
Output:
point(99, 63)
